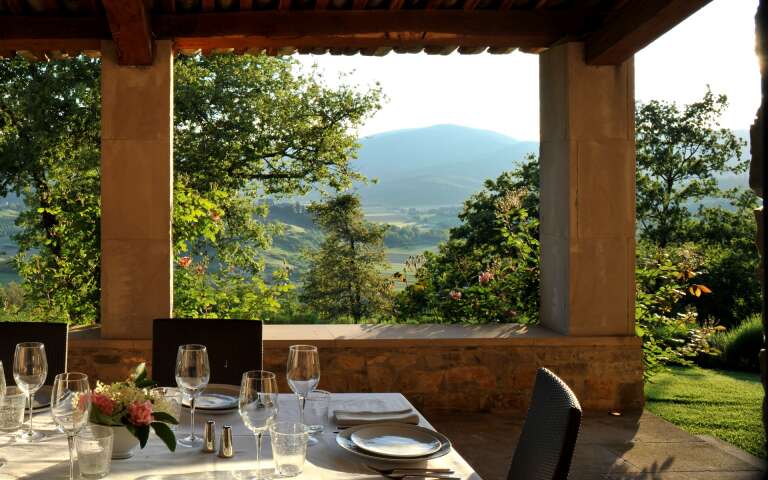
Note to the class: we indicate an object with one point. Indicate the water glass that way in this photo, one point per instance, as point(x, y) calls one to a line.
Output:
point(303, 374)
point(289, 447)
point(193, 371)
point(12, 410)
point(168, 400)
point(70, 408)
point(258, 406)
point(316, 410)
point(30, 369)
point(94, 451)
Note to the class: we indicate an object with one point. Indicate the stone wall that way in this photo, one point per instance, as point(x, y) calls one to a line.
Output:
point(439, 368)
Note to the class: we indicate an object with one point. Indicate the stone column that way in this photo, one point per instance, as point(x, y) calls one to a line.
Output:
point(587, 194)
point(136, 193)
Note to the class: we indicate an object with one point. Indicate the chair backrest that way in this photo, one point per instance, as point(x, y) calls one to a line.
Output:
point(234, 347)
point(53, 335)
point(549, 434)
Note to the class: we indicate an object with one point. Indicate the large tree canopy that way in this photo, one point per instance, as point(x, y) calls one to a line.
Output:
point(245, 126)
point(680, 153)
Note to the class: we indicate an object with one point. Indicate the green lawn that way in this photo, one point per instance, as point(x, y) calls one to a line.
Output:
point(723, 404)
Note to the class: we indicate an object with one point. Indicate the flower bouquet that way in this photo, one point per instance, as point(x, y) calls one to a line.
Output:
point(129, 404)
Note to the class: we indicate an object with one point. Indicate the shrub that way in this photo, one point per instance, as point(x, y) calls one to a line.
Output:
point(740, 346)
point(666, 318)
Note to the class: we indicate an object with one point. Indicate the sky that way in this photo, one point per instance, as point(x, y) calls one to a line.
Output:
point(713, 47)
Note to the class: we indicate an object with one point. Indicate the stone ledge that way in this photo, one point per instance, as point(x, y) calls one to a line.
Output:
point(388, 336)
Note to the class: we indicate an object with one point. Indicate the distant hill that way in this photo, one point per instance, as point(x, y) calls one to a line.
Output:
point(434, 166)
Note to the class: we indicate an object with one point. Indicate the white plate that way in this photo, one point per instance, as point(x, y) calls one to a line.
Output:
point(216, 398)
point(396, 440)
point(344, 441)
point(42, 399)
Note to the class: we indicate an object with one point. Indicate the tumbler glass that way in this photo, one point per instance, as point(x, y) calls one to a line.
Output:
point(168, 400)
point(12, 408)
point(316, 410)
point(289, 447)
point(94, 451)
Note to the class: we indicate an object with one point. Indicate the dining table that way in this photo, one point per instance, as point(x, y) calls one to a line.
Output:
point(326, 460)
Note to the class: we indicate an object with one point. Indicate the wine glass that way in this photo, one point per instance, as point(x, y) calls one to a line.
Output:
point(30, 368)
point(192, 374)
point(303, 375)
point(258, 405)
point(70, 408)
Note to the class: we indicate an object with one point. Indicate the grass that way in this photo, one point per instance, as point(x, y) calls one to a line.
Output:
point(720, 403)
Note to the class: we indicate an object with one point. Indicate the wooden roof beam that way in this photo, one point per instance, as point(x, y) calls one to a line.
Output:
point(129, 24)
point(634, 26)
point(531, 28)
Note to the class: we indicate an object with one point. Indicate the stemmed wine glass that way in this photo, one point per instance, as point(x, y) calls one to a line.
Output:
point(192, 374)
point(70, 408)
point(303, 375)
point(30, 368)
point(258, 405)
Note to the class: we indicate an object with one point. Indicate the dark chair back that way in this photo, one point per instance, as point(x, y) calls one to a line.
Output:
point(549, 434)
point(53, 335)
point(234, 347)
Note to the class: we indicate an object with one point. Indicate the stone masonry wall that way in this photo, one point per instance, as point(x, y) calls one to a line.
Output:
point(436, 375)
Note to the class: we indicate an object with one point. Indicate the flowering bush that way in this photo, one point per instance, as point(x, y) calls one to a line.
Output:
point(488, 270)
point(129, 404)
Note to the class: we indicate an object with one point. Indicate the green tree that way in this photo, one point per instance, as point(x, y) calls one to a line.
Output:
point(245, 126)
point(49, 154)
point(345, 275)
point(680, 153)
point(488, 269)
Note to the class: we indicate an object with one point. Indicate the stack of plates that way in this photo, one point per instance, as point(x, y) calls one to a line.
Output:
point(394, 442)
point(217, 398)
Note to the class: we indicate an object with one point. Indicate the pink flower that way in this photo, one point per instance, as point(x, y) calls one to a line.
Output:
point(455, 295)
point(140, 413)
point(105, 404)
point(184, 262)
point(485, 277)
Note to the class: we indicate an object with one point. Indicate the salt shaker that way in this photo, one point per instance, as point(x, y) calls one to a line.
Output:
point(226, 449)
point(209, 437)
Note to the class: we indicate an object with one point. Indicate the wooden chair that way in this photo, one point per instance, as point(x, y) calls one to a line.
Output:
point(234, 346)
point(546, 444)
point(53, 335)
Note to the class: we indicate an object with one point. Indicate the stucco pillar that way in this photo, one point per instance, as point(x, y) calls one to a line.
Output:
point(136, 193)
point(587, 194)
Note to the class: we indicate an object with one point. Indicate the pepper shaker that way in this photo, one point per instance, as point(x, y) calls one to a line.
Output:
point(226, 449)
point(209, 437)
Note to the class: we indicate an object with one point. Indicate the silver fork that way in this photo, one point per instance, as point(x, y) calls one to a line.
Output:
point(414, 472)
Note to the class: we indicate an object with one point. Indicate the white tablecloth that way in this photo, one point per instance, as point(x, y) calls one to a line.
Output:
point(326, 460)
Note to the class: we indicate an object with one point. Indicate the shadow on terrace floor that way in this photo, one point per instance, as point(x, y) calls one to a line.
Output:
point(632, 446)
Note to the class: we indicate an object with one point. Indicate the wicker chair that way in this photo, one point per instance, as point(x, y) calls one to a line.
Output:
point(546, 444)
point(53, 335)
point(234, 346)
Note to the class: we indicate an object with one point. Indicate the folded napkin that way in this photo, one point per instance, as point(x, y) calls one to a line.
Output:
point(347, 418)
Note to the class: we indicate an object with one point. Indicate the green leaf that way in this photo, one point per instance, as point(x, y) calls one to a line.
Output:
point(166, 435)
point(165, 417)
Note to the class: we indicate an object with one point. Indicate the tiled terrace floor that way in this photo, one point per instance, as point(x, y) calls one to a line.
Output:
point(627, 447)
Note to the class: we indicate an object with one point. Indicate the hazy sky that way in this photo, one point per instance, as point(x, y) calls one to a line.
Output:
point(500, 92)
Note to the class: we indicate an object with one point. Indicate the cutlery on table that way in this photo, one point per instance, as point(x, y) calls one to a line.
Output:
point(415, 473)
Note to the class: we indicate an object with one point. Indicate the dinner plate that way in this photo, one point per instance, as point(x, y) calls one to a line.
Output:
point(396, 440)
point(216, 398)
point(42, 399)
point(344, 441)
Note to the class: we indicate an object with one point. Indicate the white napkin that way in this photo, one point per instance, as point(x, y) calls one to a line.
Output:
point(347, 418)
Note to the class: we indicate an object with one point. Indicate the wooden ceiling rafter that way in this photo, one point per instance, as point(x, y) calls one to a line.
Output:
point(634, 26)
point(613, 30)
point(129, 25)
